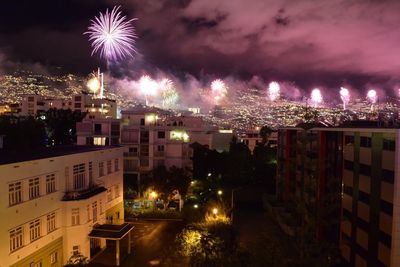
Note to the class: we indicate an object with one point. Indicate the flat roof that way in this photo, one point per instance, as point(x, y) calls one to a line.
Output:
point(13, 156)
point(111, 231)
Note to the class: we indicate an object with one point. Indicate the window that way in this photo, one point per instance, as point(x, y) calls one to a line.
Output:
point(34, 187)
point(78, 98)
point(51, 222)
point(50, 183)
point(53, 257)
point(75, 216)
point(88, 212)
point(34, 229)
point(101, 169)
point(75, 250)
point(109, 166)
point(142, 121)
point(365, 169)
point(15, 193)
point(116, 167)
point(161, 135)
point(160, 148)
point(79, 176)
point(99, 141)
point(116, 190)
point(388, 176)
point(365, 141)
point(389, 145)
point(109, 196)
point(348, 165)
point(94, 210)
point(90, 172)
point(97, 128)
point(349, 139)
point(16, 238)
point(133, 149)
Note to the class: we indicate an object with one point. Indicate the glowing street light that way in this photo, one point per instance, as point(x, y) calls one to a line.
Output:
point(195, 206)
point(219, 192)
point(215, 211)
point(153, 194)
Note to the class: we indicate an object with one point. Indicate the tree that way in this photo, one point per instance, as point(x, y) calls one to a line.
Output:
point(265, 133)
point(61, 125)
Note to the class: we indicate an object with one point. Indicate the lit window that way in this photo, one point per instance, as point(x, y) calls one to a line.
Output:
point(99, 141)
point(16, 238)
point(179, 136)
point(51, 222)
point(34, 187)
point(79, 176)
point(34, 229)
point(15, 193)
point(75, 216)
point(50, 183)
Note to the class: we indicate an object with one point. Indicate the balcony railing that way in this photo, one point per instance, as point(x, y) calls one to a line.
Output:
point(86, 193)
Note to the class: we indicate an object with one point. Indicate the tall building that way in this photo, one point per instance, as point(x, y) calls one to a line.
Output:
point(56, 202)
point(365, 158)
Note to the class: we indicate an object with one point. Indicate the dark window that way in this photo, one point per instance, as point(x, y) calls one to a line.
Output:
point(31, 98)
point(363, 197)
point(142, 121)
point(97, 128)
point(78, 98)
point(389, 145)
point(349, 139)
point(77, 105)
point(348, 190)
point(365, 141)
point(365, 169)
point(161, 135)
point(388, 176)
point(348, 165)
point(387, 207)
point(385, 239)
point(133, 149)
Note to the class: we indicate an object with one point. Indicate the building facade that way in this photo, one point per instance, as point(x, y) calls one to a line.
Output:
point(55, 199)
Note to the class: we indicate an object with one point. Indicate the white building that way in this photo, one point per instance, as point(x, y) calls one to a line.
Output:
point(52, 200)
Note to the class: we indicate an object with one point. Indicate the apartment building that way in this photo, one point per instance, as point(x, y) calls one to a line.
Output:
point(55, 201)
point(98, 131)
point(365, 158)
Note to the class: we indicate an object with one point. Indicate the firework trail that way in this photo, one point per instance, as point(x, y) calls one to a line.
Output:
point(345, 96)
point(274, 91)
point(218, 90)
point(112, 35)
point(372, 97)
point(93, 84)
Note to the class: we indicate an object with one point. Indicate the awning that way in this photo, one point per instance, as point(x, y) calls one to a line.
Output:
point(111, 231)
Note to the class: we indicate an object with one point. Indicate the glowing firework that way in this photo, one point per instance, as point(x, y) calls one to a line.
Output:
point(112, 35)
point(274, 91)
point(148, 86)
point(165, 84)
point(316, 96)
point(219, 90)
point(372, 97)
point(345, 96)
point(168, 93)
point(93, 84)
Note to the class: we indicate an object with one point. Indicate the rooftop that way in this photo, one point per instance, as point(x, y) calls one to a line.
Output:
point(13, 156)
point(111, 231)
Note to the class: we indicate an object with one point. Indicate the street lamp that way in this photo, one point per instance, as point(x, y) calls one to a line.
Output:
point(215, 211)
point(195, 206)
point(219, 192)
point(153, 194)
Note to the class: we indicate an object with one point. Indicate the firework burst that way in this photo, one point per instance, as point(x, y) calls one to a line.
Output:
point(274, 91)
point(219, 90)
point(112, 35)
point(316, 96)
point(345, 96)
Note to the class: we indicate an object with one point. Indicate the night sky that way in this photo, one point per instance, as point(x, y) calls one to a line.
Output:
point(306, 41)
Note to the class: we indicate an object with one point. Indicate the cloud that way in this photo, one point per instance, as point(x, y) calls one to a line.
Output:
point(268, 37)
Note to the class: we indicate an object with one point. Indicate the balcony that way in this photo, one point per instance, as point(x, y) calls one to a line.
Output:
point(84, 194)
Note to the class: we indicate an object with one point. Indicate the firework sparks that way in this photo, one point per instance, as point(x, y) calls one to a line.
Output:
point(316, 96)
point(93, 84)
point(345, 96)
point(148, 86)
point(168, 93)
point(112, 35)
point(372, 96)
point(274, 91)
point(219, 90)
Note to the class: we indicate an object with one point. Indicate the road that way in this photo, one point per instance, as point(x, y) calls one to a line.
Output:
point(152, 242)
